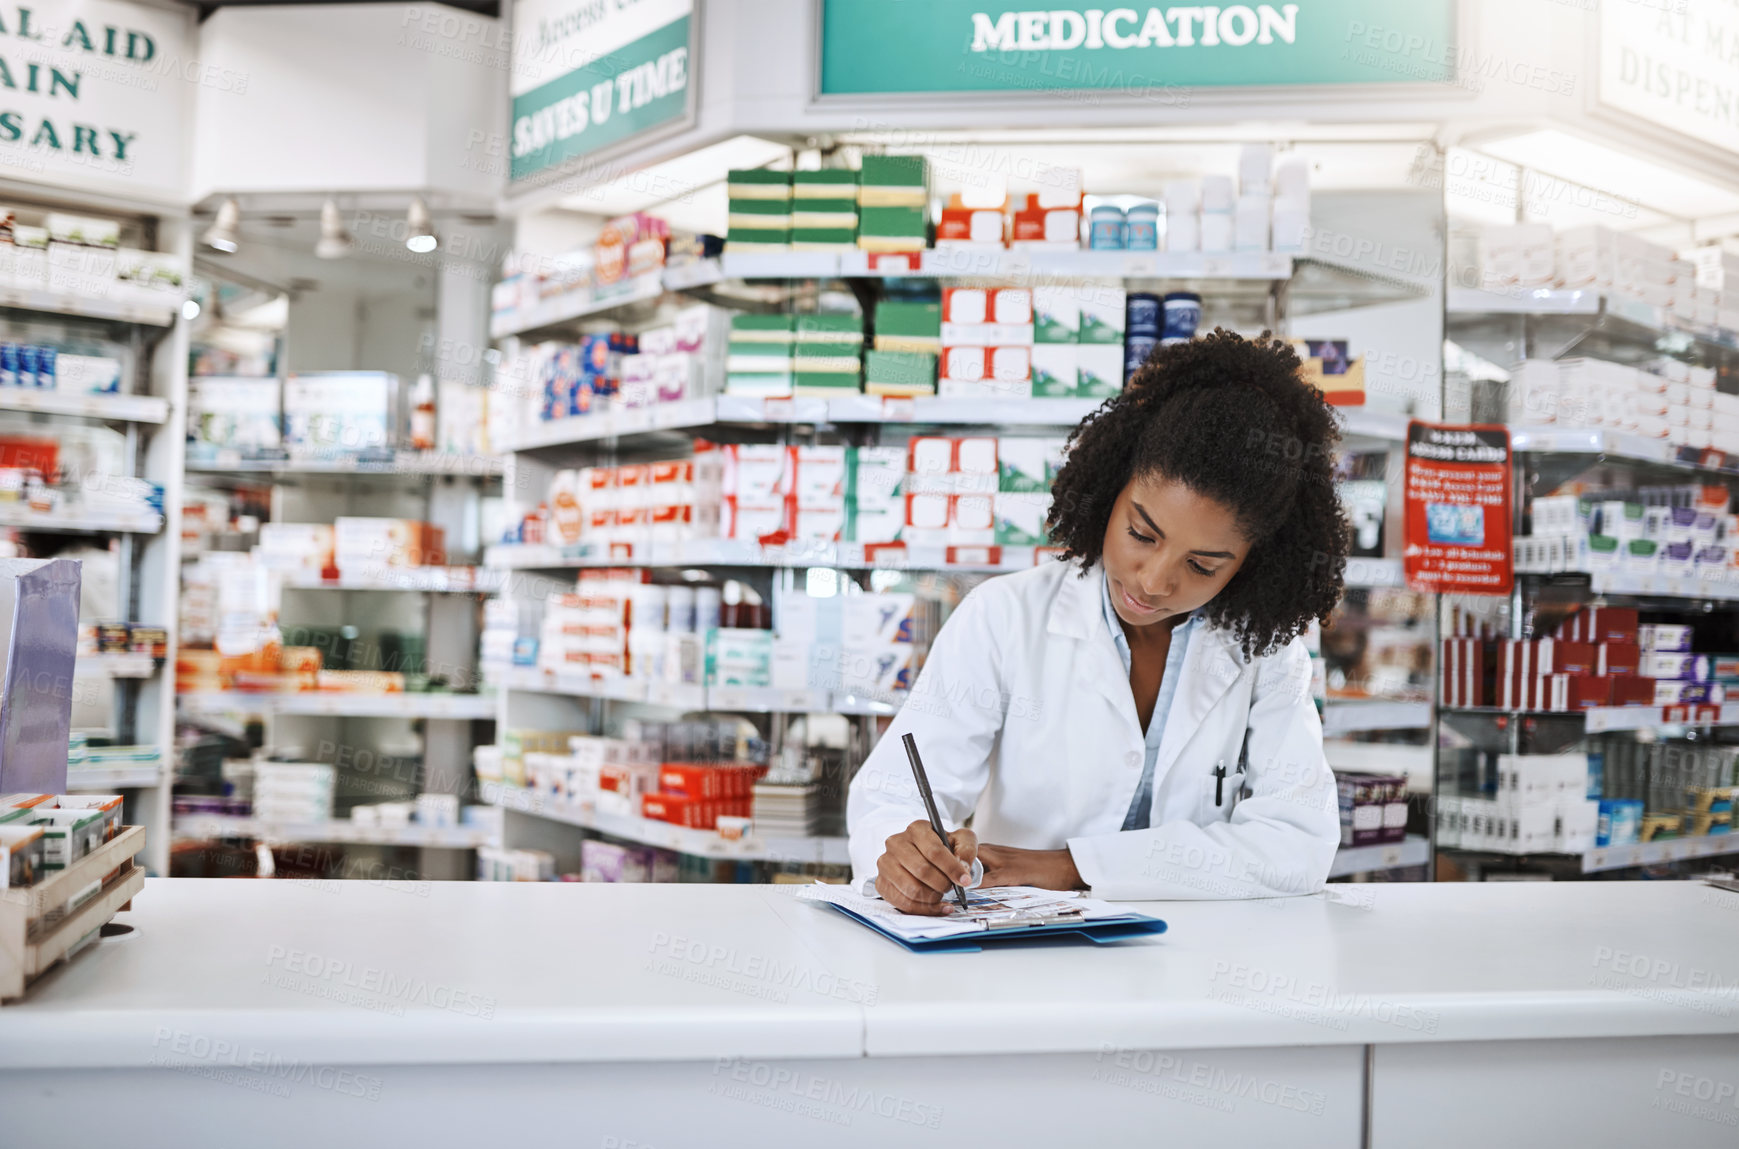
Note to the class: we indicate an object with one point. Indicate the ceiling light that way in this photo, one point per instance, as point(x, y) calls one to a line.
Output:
point(335, 240)
point(221, 235)
point(422, 234)
point(190, 309)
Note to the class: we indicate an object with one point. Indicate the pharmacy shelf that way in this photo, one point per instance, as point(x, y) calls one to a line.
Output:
point(116, 665)
point(334, 830)
point(687, 414)
point(1605, 719)
point(1413, 850)
point(1359, 423)
point(701, 843)
point(426, 580)
point(746, 553)
point(1472, 301)
point(90, 306)
point(107, 779)
point(678, 695)
point(991, 262)
point(336, 704)
point(1628, 317)
point(960, 412)
point(1355, 716)
point(690, 696)
point(578, 304)
point(436, 463)
point(79, 523)
point(1619, 582)
point(1654, 853)
point(1608, 444)
point(114, 408)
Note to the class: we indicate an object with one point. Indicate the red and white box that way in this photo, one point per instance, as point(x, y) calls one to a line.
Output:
point(987, 317)
point(1600, 624)
point(927, 520)
point(1561, 656)
point(1464, 672)
point(1617, 658)
point(1632, 690)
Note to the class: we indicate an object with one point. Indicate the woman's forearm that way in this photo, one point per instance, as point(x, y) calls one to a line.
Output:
point(1046, 869)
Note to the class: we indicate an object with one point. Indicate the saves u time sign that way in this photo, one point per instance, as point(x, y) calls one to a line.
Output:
point(33, 70)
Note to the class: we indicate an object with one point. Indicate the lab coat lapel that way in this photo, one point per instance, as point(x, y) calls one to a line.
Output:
point(1210, 667)
point(1078, 612)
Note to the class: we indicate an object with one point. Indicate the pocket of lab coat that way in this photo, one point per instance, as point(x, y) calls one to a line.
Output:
point(1228, 790)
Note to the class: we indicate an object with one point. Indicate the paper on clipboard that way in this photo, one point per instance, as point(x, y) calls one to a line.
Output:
point(988, 909)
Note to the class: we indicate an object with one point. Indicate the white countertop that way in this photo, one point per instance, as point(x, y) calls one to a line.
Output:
point(464, 972)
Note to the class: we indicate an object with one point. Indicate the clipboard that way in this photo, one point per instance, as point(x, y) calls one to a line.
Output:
point(1100, 931)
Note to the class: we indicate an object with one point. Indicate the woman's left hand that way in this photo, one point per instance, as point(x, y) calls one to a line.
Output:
point(1045, 869)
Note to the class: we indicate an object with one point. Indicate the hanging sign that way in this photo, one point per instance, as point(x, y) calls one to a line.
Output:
point(1674, 63)
point(591, 73)
point(974, 46)
point(1458, 535)
point(99, 89)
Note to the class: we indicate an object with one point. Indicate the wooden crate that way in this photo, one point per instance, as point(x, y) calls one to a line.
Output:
point(36, 931)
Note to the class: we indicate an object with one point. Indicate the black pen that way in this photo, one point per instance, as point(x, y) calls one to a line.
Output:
point(929, 801)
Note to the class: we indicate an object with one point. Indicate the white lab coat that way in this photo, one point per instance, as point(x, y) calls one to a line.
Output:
point(1026, 723)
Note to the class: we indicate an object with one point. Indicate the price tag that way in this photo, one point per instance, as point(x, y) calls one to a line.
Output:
point(729, 698)
point(897, 409)
point(229, 458)
point(777, 410)
point(1016, 264)
point(798, 700)
point(1144, 266)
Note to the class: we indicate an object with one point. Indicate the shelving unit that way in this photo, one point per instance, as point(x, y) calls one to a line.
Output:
point(534, 698)
point(1506, 326)
point(148, 412)
point(447, 707)
point(646, 831)
point(1413, 850)
point(335, 830)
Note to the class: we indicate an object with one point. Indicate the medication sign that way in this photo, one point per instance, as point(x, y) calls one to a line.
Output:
point(591, 73)
point(1458, 525)
point(1674, 62)
point(974, 46)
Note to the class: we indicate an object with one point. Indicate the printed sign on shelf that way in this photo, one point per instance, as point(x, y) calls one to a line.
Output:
point(971, 46)
point(592, 74)
point(1458, 525)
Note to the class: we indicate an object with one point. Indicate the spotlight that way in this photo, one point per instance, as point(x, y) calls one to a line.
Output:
point(422, 234)
point(335, 240)
point(221, 235)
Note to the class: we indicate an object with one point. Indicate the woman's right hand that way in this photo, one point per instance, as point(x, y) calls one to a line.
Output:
point(915, 870)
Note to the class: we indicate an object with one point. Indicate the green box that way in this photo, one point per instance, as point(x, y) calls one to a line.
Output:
point(904, 317)
point(891, 221)
point(900, 368)
point(894, 171)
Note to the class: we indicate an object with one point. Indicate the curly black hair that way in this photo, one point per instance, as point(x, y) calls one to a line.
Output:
point(1231, 419)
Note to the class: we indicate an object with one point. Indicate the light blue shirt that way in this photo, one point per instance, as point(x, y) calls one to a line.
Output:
point(1141, 808)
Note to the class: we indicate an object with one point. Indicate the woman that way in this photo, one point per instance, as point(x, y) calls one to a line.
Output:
point(1137, 719)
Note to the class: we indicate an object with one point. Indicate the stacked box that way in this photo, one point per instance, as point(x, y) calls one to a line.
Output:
point(900, 373)
point(761, 359)
point(760, 210)
point(875, 494)
point(824, 210)
point(1373, 808)
point(907, 325)
point(987, 343)
point(893, 200)
point(828, 355)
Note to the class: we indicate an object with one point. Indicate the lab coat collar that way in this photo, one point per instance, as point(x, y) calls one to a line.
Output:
point(1213, 662)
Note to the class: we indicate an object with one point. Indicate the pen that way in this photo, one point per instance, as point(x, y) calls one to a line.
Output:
point(929, 801)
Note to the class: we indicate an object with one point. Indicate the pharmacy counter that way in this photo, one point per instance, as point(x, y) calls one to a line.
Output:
point(273, 1013)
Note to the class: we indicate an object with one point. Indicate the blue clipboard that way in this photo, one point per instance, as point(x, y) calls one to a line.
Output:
point(1100, 931)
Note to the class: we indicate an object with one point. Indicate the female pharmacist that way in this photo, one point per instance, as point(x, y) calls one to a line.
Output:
point(1137, 718)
